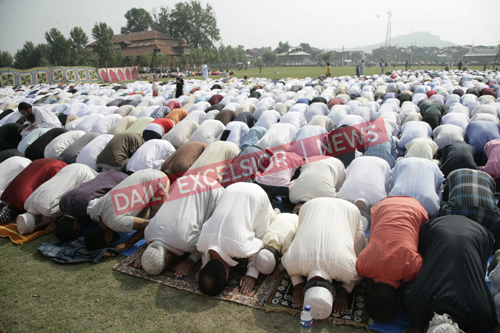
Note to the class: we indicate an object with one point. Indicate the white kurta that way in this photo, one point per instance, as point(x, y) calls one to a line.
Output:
point(277, 135)
point(88, 155)
point(43, 119)
point(328, 241)
point(281, 231)
point(368, 179)
point(237, 225)
point(178, 223)
point(237, 132)
point(45, 199)
point(105, 123)
point(321, 177)
point(150, 155)
point(181, 133)
point(57, 146)
point(10, 168)
point(208, 132)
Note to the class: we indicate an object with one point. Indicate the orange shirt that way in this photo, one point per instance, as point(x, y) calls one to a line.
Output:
point(177, 115)
point(392, 255)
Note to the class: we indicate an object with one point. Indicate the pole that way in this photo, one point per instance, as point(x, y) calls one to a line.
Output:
point(342, 55)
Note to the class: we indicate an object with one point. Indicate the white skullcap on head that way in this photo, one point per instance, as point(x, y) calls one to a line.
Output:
point(153, 259)
point(443, 324)
point(25, 223)
point(364, 221)
point(321, 301)
point(265, 262)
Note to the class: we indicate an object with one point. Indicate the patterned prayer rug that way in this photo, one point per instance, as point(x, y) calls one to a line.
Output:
point(280, 300)
point(255, 299)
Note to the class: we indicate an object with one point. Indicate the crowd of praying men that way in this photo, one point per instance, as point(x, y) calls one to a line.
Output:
point(426, 197)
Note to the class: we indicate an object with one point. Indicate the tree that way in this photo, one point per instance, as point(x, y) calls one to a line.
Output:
point(138, 19)
point(196, 24)
point(104, 44)
point(231, 55)
point(269, 56)
point(213, 56)
point(117, 59)
point(162, 60)
point(305, 46)
point(59, 47)
point(145, 59)
point(197, 56)
point(282, 47)
point(132, 59)
point(161, 19)
point(31, 56)
point(6, 59)
point(326, 56)
point(78, 41)
point(242, 56)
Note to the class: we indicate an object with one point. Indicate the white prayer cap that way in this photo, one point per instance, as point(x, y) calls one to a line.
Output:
point(153, 259)
point(364, 221)
point(25, 223)
point(443, 324)
point(265, 262)
point(321, 301)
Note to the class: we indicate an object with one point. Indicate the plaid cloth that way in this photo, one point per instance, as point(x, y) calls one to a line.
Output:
point(160, 112)
point(386, 151)
point(472, 195)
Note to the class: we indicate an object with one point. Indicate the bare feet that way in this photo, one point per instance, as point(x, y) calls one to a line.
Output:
point(122, 247)
point(341, 299)
point(298, 294)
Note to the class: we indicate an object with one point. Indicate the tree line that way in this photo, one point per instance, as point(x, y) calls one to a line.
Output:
point(188, 20)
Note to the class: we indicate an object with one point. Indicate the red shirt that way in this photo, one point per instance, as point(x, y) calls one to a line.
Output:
point(392, 255)
point(166, 123)
point(34, 175)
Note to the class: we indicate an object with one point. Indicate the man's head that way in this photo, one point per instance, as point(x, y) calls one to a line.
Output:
point(68, 228)
point(245, 77)
point(328, 64)
point(296, 209)
point(27, 111)
point(266, 260)
point(205, 62)
point(98, 238)
point(383, 302)
point(213, 277)
point(319, 294)
point(155, 258)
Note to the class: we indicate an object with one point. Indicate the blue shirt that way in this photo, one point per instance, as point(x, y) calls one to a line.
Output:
point(421, 179)
point(479, 133)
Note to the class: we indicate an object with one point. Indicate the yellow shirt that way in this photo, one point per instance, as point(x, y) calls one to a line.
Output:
point(328, 69)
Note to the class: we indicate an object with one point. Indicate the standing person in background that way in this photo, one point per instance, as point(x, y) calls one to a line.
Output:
point(156, 86)
point(383, 67)
point(362, 67)
point(459, 65)
point(260, 69)
point(465, 66)
point(179, 84)
point(204, 69)
point(328, 70)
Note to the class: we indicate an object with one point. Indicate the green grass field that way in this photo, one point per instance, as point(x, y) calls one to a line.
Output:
point(38, 295)
point(312, 72)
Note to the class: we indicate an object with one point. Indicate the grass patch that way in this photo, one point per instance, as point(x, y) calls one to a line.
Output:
point(303, 72)
point(38, 295)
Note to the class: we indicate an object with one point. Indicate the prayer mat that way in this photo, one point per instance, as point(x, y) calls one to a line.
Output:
point(10, 230)
point(255, 299)
point(280, 300)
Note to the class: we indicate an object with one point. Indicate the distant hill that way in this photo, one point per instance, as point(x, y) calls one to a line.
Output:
point(417, 38)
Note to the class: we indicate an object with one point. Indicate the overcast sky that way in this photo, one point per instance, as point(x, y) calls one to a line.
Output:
point(257, 23)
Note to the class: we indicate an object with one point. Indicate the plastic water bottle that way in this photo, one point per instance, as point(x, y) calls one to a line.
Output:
point(306, 320)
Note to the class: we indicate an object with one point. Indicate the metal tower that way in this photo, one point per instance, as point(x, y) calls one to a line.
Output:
point(388, 35)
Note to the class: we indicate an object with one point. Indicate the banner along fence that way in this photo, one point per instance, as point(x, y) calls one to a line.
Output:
point(53, 75)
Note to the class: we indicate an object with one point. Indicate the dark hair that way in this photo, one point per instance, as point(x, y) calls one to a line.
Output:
point(319, 283)
point(65, 231)
point(328, 63)
point(23, 106)
point(383, 302)
point(95, 239)
point(212, 278)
